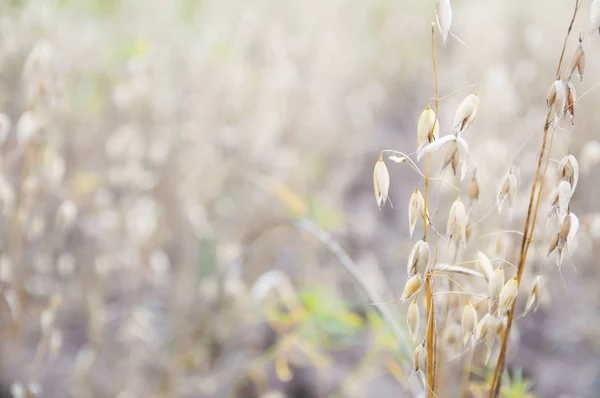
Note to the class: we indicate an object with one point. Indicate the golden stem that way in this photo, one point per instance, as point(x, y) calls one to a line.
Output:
point(429, 278)
point(529, 228)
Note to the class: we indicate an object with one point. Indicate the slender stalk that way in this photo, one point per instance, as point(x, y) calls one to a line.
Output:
point(529, 227)
point(429, 277)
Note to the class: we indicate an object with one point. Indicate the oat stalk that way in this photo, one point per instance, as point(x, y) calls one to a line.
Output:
point(429, 279)
point(529, 225)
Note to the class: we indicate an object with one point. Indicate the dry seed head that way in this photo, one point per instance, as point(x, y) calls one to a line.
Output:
point(508, 189)
point(482, 327)
point(428, 128)
point(535, 294)
point(411, 288)
point(452, 156)
point(484, 265)
point(565, 229)
point(443, 15)
point(456, 153)
point(495, 285)
point(457, 222)
point(557, 98)
point(573, 230)
point(595, 16)
point(486, 332)
point(508, 295)
point(412, 319)
point(418, 259)
point(420, 358)
point(568, 170)
point(571, 99)
point(381, 181)
point(553, 244)
point(578, 61)
point(465, 113)
point(564, 192)
point(416, 208)
point(469, 322)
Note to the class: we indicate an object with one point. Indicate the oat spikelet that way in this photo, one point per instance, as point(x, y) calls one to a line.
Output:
point(508, 190)
point(443, 15)
point(469, 322)
point(495, 285)
point(428, 128)
point(578, 60)
point(456, 156)
point(412, 319)
point(465, 113)
point(418, 259)
point(457, 222)
point(535, 294)
point(484, 265)
point(568, 170)
point(557, 98)
point(564, 192)
point(573, 230)
point(595, 16)
point(420, 361)
point(416, 209)
point(562, 239)
point(508, 295)
point(571, 99)
point(485, 332)
point(381, 182)
point(411, 288)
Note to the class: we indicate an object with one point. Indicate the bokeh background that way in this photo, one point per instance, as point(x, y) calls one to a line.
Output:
point(177, 176)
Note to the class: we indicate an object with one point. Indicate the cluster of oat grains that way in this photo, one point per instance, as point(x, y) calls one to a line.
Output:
point(468, 290)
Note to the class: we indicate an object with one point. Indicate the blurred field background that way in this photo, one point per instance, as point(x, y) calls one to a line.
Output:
point(201, 142)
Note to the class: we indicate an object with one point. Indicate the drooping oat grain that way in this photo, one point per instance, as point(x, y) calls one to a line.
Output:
point(428, 128)
point(557, 98)
point(468, 323)
point(416, 209)
point(508, 295)
point(381, 182)
point(508, 190)
point(413, 319)
point(571, 99)
point(443, 14)
point(595, 16)
point(495, 285)
point(465, 113)
point(418, 259)
point(457, 222)
point(484, 265)
point(568, 170)
point(535, 294)
point(411, 288)
point(578, 60)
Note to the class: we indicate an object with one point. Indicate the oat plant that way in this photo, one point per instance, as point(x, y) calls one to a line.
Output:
point(461, 279)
